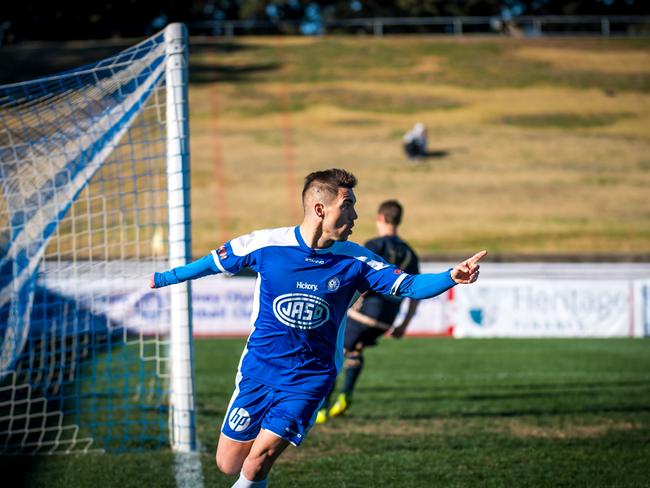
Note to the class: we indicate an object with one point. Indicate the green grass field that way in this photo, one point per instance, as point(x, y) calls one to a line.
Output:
point(431, 412)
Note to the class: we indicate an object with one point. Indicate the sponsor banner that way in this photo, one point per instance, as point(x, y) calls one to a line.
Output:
point(432, 317)
point(536, 308)
point(503, 307)
point(220, 306)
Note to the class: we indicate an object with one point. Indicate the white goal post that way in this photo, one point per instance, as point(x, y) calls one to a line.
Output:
point(183, 432)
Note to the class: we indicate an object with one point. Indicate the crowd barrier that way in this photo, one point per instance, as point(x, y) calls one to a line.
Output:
point(509, 300)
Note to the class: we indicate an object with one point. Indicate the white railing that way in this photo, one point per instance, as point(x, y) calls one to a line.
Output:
point(528, 26)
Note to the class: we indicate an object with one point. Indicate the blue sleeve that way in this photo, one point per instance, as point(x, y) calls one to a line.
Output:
point(235, 255)
point(379, 276)
point(197, 269)
point(425, 285)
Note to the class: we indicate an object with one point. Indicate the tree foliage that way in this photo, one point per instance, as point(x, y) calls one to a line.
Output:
point(39, 19)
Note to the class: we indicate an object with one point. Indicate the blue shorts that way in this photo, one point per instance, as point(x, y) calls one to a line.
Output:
point(255, 406)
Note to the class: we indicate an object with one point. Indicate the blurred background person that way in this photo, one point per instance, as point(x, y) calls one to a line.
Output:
point(415, 142)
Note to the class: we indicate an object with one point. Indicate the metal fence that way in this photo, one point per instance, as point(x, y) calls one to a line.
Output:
point(524, 26)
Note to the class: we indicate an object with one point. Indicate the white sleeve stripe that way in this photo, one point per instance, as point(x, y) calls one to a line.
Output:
point(395, 287)
point(249, 243)
point(219, 265)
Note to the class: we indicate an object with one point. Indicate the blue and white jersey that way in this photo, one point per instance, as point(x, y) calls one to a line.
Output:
point(301, 298)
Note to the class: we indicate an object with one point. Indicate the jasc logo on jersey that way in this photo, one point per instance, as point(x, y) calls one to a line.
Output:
point(239, 419)
point(301, 311)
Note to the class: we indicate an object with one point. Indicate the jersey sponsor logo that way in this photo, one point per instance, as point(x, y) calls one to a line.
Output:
point(301, 311)
point(303, 285)
point(315, 261)
point(333, 284)
point(239, 419)
point(398, 271)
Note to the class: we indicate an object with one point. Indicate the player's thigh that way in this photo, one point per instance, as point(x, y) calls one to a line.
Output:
point(231, 454)
point(266, 448)
point(242, 423)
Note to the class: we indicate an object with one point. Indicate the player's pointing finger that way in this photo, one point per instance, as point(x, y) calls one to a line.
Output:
point(477, 256)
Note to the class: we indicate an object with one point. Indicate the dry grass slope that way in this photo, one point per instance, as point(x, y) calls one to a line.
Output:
point(539, 146)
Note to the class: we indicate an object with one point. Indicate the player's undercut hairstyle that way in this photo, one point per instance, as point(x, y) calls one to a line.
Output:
point(392, 211)
point(329, 181)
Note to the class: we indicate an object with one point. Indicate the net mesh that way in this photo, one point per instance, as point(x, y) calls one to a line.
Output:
point(83, 223)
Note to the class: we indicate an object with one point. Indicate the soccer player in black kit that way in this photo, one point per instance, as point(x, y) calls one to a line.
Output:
point(373, 315)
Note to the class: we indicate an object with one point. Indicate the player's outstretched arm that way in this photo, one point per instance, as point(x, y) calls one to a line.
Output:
point(196, 269)
point(430, 285)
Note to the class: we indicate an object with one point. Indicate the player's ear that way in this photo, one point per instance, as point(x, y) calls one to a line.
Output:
point(319, 210)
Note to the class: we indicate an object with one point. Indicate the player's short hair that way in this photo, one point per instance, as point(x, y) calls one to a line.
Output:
point(329, 181)
point(392, 211)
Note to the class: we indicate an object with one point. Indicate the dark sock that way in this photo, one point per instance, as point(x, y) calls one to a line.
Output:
point(351, 377)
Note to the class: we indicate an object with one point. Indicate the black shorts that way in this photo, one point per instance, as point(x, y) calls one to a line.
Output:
point(356, 333)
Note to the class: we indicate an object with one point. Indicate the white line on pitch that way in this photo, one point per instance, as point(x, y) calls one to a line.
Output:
point(187, 470)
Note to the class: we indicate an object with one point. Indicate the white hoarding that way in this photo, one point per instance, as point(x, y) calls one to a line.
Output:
point(535, 308)
point(555, 303)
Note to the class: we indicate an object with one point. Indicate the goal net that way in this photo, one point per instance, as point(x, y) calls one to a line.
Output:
point(95, 197)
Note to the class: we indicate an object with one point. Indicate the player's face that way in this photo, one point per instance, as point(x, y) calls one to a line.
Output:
point(340, 215)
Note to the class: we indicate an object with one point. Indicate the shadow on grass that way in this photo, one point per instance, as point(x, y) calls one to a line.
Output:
point(550, 399)
point(20, 468)
point(518, 412)
point(75, 370)
point(437, 154)
point(424, 159)
point(217, 72)
point(207, 67)
point(598, 385)
point(33, 61)
point(511, 412)
point(597, 409)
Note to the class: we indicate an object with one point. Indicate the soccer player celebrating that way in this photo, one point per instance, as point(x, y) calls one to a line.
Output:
point(307, 277)
point(373, 314)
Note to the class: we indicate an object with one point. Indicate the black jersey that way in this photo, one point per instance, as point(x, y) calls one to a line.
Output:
point(397, 252)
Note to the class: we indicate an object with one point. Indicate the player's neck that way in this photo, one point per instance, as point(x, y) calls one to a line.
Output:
point(314, 237)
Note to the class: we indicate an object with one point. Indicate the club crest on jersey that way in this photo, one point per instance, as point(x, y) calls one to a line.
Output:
point(333, 284)
point(221, 251)
point(239, 419)
point(301, 311)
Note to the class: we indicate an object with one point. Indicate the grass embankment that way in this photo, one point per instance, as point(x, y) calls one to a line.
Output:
point(538, 146)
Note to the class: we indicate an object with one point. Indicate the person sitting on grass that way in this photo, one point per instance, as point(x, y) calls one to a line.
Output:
point(415, 142)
